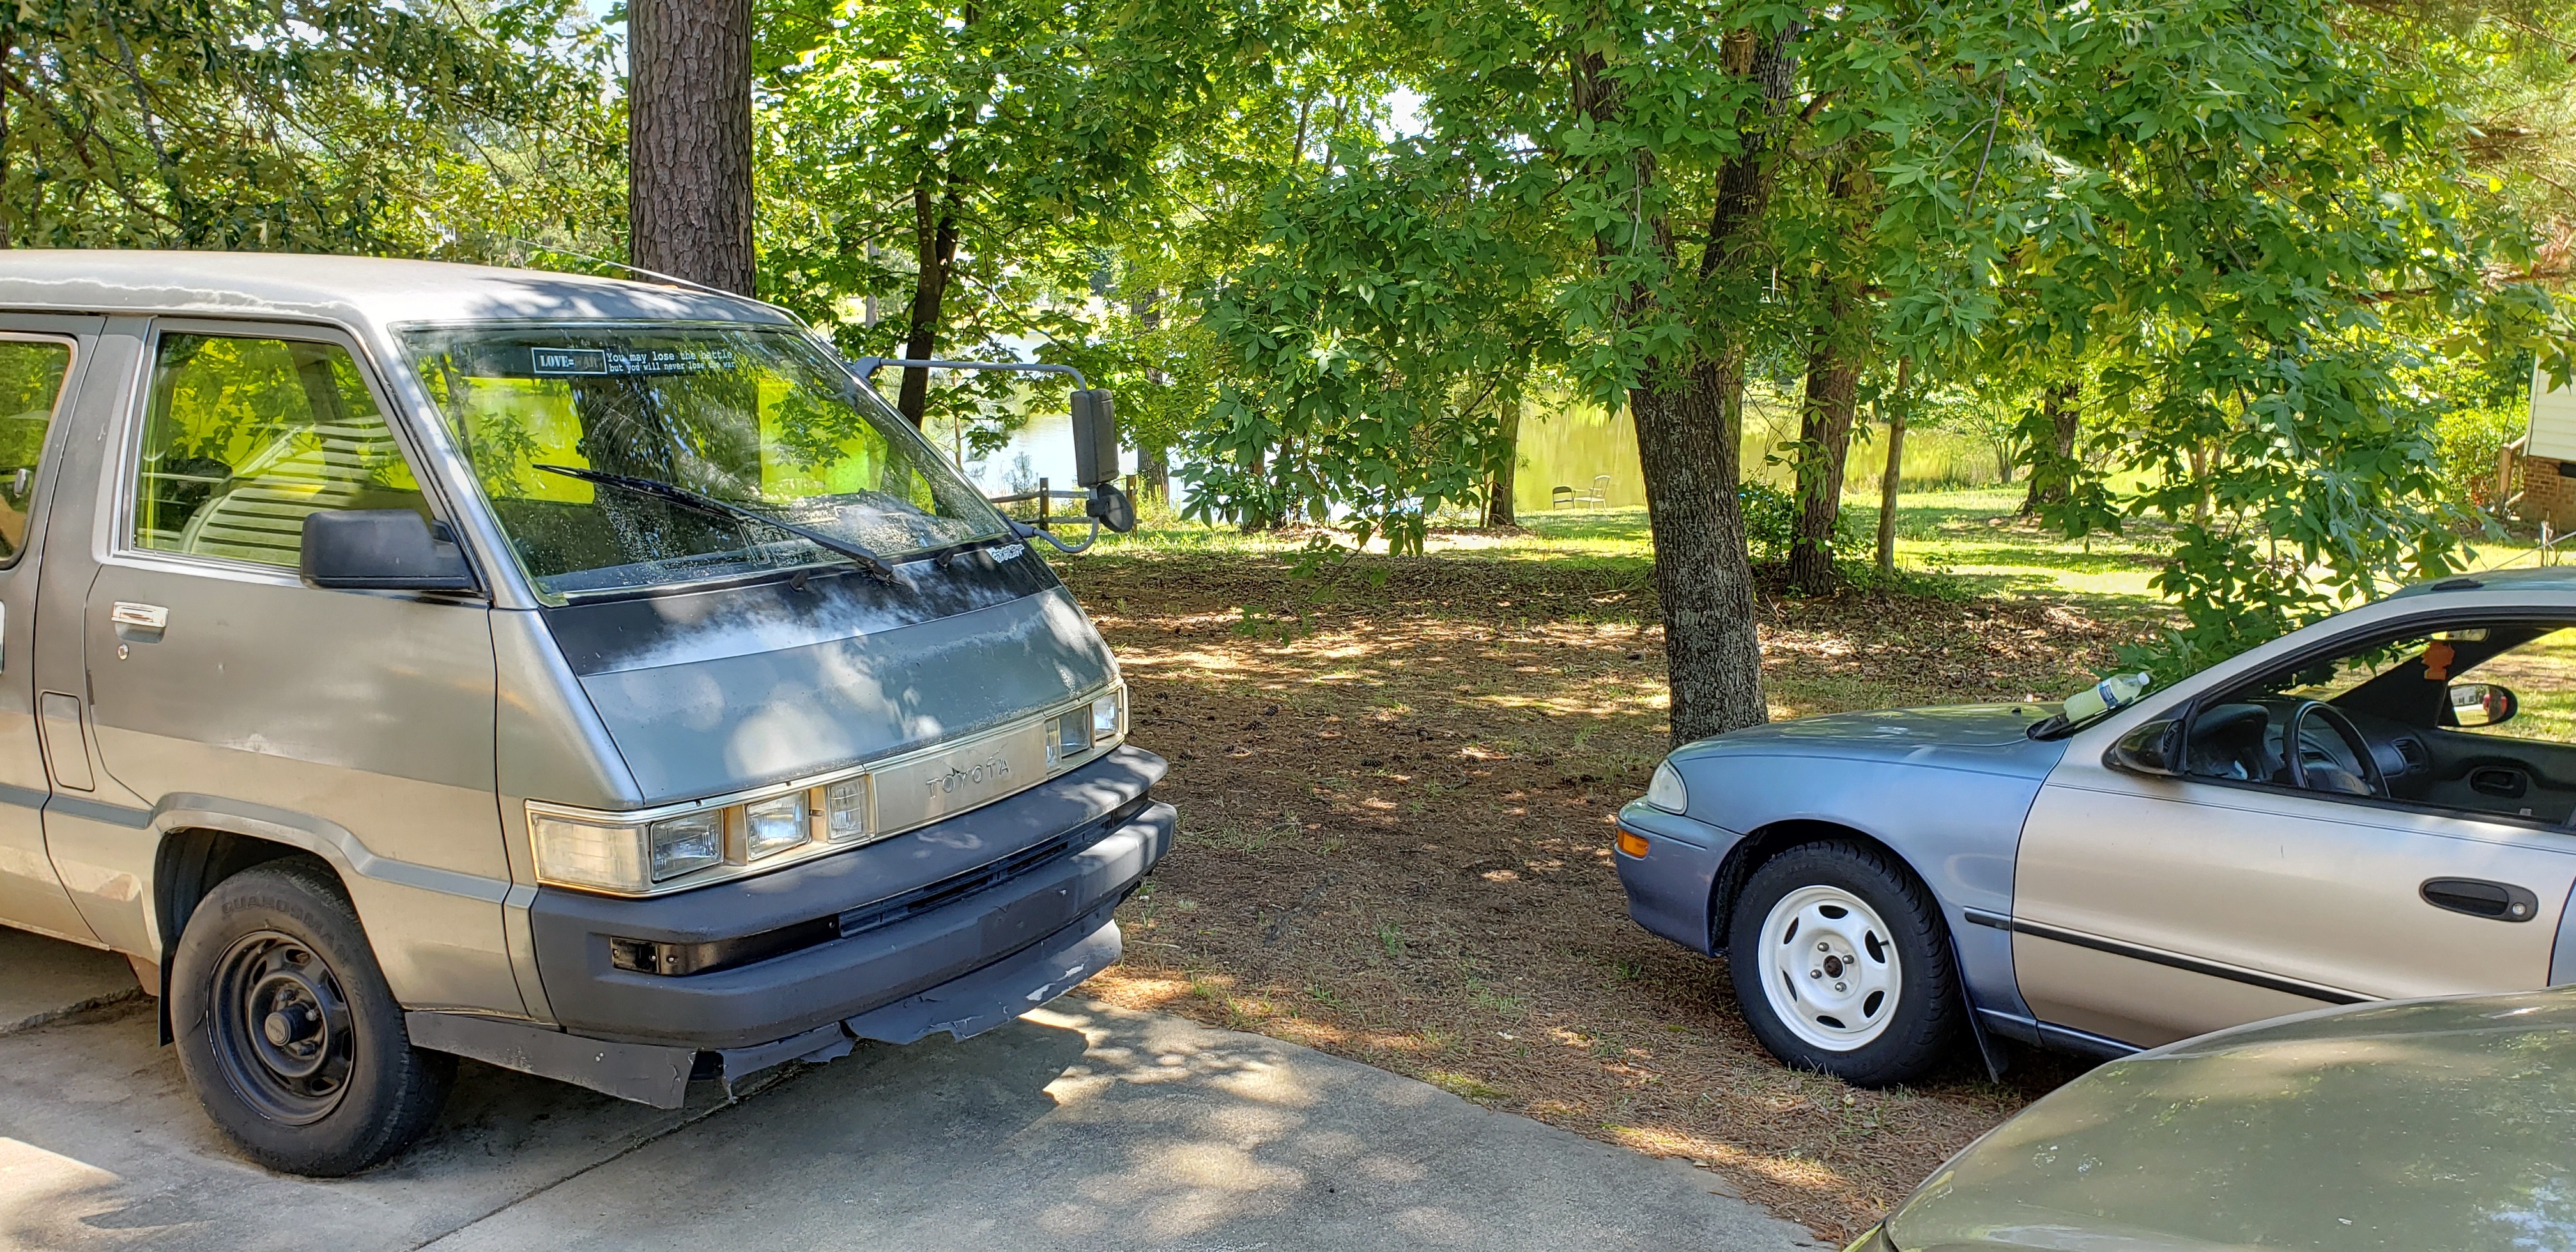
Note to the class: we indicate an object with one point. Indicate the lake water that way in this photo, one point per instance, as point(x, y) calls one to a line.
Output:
point(1565, 445)
point(1569, 448)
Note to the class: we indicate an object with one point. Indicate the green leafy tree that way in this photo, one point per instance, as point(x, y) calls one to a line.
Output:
point(1381, 342)
point(961, 165)
point(307, 125)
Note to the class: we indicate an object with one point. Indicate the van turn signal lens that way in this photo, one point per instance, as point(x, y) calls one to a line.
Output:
point(1632, 843)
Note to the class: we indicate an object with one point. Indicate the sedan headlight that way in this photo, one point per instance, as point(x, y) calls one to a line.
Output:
point(1667, 791)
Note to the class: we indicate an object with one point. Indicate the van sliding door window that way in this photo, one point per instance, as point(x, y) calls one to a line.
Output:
point(244, 437)
point(31, 384)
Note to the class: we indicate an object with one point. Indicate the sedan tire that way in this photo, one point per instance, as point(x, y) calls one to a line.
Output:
point(287, 1032)
point(1842, 965)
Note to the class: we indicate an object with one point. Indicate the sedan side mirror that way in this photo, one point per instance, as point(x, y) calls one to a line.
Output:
point(2154, 749)
point(2480, 704)
point(380, 550)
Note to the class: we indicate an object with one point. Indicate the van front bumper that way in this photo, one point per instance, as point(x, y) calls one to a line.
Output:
point(966, 924)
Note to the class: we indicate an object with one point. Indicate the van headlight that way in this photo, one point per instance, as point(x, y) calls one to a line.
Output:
point(1083, 729)
point(624, 856)
point(1109, 716)
point(1667, 791)
point(636, 854)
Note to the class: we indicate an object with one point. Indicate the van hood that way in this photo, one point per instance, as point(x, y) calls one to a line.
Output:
point(2400, 1126)
point(758, 685)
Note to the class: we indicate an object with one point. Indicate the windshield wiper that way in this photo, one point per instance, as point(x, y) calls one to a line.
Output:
point(700, 502)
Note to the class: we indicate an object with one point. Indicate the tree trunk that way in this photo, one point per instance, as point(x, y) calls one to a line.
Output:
point(934, 236)
point(1824, 441)
point(1499, 485)
point(1836, 354)
point(2200, 483)
point(1154, 467)
point(1689, 418)
point(1701, 575)
point(1894, 478)
point(688, 204)
point(2049, 478)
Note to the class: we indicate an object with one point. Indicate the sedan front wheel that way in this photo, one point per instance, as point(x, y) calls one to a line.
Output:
point(1842, 966)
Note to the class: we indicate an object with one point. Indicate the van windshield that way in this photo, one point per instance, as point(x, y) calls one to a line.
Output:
point(756, 417)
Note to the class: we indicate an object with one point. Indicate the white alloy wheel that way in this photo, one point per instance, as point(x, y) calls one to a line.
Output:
point(1830, 968)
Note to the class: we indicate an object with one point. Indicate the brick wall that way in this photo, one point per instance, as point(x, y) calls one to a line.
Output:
point(2548, 492)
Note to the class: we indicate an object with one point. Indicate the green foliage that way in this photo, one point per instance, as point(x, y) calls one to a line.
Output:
point(1771, 521)
point(305, 125)
point(1375, 347)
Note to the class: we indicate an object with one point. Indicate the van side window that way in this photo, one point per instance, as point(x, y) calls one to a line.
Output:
point(31, 384)
point(244, 437)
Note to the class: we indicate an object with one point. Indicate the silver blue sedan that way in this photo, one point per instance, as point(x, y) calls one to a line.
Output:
point(2375, 807)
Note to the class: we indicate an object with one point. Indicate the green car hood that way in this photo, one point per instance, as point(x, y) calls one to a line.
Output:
point(2416, 1125)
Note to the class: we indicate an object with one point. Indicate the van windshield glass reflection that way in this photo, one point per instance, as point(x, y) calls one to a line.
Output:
point(756, 417)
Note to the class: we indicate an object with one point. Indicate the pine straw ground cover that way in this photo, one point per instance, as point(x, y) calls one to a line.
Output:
point(1395, 826)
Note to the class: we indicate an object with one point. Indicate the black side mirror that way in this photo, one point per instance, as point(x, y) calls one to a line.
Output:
point(2480, 704)
point(1111, 507)
point(1095, 439)
point(2154, 749)
point(380, 550)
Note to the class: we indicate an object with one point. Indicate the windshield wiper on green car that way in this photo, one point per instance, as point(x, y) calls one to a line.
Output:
point(700, 502)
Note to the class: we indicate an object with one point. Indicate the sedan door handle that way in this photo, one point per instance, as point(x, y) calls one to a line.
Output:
point(2496, 901)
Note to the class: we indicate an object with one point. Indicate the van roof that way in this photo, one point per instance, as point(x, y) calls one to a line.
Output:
point(346, 289)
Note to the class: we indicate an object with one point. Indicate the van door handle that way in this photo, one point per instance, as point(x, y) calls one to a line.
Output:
point(2496, 901)
point(139, 616)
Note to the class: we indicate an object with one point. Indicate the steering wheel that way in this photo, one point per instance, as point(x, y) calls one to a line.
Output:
point(2294, 754)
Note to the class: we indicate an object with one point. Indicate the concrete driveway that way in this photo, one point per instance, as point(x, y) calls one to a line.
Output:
point(1081, 1126)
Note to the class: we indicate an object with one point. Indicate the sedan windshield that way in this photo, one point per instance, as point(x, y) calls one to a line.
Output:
point(556, 417)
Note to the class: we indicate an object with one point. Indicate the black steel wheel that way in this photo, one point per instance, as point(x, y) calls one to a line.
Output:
point(287, 1032)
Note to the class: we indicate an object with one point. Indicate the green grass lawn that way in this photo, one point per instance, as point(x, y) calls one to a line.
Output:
point(1974, 538)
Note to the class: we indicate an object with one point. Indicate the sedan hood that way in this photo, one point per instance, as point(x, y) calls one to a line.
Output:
point(2425, 1124)
point(1992, 738)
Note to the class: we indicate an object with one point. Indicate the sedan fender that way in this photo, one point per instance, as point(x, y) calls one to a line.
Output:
point(1946, 790)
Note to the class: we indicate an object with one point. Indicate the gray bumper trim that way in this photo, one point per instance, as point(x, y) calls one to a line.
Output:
point(658, 1075)
point(643, 1072)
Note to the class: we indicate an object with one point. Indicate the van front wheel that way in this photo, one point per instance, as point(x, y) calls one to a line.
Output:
point(287, 1032)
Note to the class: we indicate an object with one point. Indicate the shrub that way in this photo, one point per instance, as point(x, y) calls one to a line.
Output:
point(1771, 524)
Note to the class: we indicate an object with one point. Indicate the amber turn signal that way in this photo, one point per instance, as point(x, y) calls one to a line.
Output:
point(1632, 843)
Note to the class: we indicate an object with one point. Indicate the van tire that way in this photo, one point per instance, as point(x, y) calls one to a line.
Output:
point(287, 1031)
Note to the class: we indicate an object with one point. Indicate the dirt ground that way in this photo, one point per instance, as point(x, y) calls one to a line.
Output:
point(1396, 806)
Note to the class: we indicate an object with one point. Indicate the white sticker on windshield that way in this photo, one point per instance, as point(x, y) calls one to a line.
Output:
point(544, 361)
point(568, 362)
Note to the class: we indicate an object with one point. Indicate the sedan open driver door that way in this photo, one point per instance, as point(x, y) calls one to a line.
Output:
point(2362, 863)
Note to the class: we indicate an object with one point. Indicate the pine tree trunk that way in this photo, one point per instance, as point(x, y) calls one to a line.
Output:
point(934, 235)
point(1894, 478)
point(1685, 446)
point(689, 202)
point(1499, 485)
